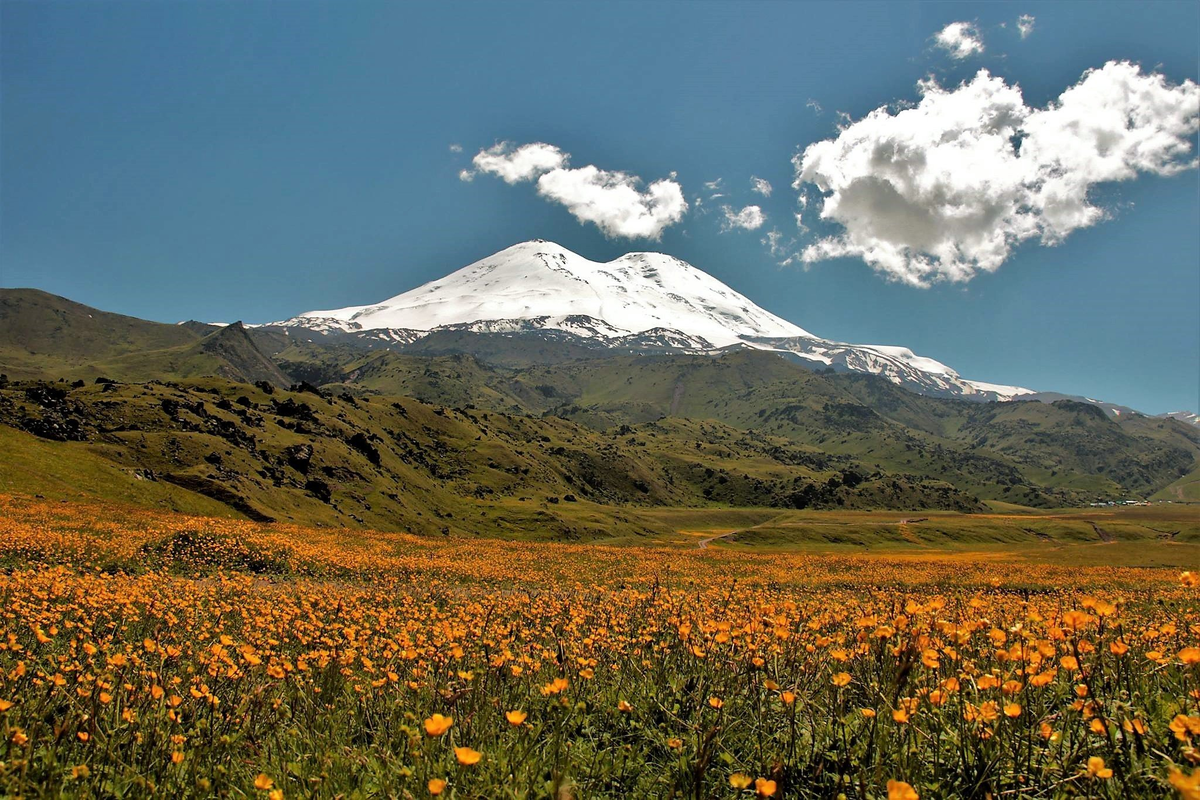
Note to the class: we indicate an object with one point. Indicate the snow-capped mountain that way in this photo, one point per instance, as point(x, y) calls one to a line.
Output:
point(539, 279)
point(646, 301)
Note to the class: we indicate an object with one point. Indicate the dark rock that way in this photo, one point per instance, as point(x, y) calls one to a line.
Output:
point(363, 445)
point(319, 489)
point(299, 457)
point(45, 396)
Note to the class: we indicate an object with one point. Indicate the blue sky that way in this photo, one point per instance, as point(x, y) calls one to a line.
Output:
point(253, 160)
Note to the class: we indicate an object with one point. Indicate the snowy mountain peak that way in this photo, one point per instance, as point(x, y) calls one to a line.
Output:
point(634, 293)
point(640, 302)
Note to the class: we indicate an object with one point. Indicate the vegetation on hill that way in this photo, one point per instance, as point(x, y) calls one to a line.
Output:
point(387, 462)
point(744, 428)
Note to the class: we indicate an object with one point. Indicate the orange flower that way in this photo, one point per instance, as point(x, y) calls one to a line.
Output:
point(1188, 786)
point(840, 679)
point(437, 724)
point(1096, 768)
point(262, 782)
point(1190, 655)
point(716, 702)
point(515, 717)
point(624, 707)
point(764, 787)
point(436, 786)
point(1012, 710)
point(740, 780)
point(899, 790)
point(787, 697)
point(466, 756)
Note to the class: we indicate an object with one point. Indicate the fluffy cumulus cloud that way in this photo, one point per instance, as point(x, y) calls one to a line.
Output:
point(615, 202)
point(750, 218)
point(1025, 24)
point(959, 39)
point(943, 190)
point(761, 185)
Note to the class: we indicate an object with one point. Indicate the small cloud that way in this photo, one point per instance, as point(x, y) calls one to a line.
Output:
point(800, 226)
point(614, 202)
point(814, 105)
point(960, 39)
point(455, 148)
point(516, 164)
point(713, 186)
point(761, 185)
point(750, 218)
point(1025, 24)
point(775, 244)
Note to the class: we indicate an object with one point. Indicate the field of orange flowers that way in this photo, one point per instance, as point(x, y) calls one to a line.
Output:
point(151, 654)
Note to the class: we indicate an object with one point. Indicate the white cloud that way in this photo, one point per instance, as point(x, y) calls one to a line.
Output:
point(814, 105)
point(750, 218)
point(1025, 24)
point(775, 244)
point(761, 185)
point(612, 201)
point(944, 190)
point(456, 148)
point(516, 164)
point(713, 186)
point(960, 39)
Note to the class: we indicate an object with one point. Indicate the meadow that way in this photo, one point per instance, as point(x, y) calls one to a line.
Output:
point(150, 653)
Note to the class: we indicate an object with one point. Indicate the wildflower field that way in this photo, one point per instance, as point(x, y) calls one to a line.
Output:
point(153, 654)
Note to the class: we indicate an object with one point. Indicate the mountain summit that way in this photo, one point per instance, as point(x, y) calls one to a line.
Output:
point(546, 282)
point(648, 301)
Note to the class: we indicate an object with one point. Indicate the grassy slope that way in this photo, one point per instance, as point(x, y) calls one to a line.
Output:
point(1032, 454)
point(400, 463)
point(76, 471)
point(42, 335)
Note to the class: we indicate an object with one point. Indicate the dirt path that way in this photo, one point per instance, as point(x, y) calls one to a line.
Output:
point(703, 543)
point(676, 399)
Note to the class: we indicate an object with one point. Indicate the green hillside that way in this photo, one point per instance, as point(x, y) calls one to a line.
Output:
point(43, 335)
point(744, 428)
